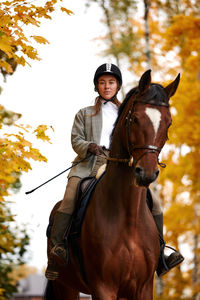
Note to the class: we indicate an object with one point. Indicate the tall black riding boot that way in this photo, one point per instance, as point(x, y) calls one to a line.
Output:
point(166, 263)
point(60, 226)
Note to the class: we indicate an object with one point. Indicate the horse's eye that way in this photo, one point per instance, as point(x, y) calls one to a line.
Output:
point(135, 119)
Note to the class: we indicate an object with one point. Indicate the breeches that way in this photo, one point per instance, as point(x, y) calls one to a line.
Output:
point(68, 202)
point(157, 207)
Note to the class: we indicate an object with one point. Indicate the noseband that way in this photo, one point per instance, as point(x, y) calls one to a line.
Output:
point(150, 148)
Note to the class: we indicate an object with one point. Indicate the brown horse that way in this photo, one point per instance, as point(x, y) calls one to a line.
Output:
point(119, 240)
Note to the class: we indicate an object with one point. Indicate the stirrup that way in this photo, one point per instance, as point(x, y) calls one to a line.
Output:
point(164, 265)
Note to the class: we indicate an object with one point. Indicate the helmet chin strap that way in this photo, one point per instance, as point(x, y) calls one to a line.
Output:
point(108, 100)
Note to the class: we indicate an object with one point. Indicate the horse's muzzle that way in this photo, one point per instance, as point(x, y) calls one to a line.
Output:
point(143, 178)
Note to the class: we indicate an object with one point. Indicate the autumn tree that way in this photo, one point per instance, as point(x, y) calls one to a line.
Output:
point(16, 150)
point(183, 172)
point(15, 46)
point(128, 25)
point(13, 243)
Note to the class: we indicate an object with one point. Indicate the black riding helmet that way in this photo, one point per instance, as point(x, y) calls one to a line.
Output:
point(108, 69)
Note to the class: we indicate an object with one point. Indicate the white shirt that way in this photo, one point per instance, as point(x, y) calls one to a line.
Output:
point(109, 116)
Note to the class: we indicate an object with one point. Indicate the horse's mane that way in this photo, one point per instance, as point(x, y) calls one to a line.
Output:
point(156, 93)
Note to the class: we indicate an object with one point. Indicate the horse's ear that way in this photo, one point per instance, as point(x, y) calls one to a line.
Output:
point(145, 82)
point(172, 87)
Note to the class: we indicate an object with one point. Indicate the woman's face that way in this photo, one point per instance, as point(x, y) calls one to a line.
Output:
point(107, 86)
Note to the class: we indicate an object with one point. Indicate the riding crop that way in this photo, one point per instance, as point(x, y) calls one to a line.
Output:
point(75, 164)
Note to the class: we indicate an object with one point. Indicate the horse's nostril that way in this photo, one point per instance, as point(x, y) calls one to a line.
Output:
point(157, 173)
point(138, 171)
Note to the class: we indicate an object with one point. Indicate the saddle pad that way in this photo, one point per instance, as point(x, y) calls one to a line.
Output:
point(80, 212)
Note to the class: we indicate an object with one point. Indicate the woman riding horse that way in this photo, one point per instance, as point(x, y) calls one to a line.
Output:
point(90, 132)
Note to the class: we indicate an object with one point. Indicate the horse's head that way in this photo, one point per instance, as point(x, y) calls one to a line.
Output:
point(143, 123)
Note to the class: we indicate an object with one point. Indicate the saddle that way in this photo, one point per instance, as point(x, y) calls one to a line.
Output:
point(85, 189)
point(83, 193)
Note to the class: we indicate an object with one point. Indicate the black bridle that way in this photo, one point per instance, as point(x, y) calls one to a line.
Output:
point(131, 147)
point(149, 148)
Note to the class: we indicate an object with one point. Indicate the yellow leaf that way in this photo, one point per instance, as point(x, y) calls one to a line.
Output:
point(21, 127)
point(40, 39)
point(69, 12)
point(40, 133)
point(6, 66)
point(5, 47)
point(36, 155)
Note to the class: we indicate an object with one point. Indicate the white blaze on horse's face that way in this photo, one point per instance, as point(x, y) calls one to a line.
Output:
point(155, 117)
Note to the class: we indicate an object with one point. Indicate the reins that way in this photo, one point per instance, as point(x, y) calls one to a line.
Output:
point(131, 162)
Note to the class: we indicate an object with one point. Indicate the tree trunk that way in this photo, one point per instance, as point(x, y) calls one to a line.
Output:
point(146, 24)
point(159, 285)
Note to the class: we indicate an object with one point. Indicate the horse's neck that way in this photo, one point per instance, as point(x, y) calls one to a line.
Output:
point(122, 197)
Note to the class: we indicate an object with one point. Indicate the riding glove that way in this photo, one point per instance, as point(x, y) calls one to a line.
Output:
point(95, 149)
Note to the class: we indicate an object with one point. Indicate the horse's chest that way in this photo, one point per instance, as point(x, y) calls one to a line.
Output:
point(132, 253)
point(129, 261)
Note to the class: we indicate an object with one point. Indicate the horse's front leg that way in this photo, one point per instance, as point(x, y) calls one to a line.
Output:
point(63, 292)
point(143, 294)
point(104, 294)
point(103, 297)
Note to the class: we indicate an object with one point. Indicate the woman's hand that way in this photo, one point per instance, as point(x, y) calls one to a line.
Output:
point(95, 149)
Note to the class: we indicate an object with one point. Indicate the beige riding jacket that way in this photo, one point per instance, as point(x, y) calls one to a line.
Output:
point(86, 129)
